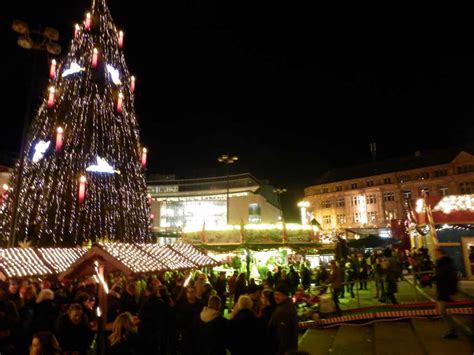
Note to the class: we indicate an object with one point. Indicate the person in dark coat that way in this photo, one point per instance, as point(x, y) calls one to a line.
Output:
point(124, 339)
point(129, 300)
point(284, 324)
point(246, 330)
point(240, 287)
point(446, 286)
point(211, 333)
point(187, 311)
point(113, 303)
point(46, 312)
point(305, 277)
point(221, 288)
point(152, 320)
point(73, 331)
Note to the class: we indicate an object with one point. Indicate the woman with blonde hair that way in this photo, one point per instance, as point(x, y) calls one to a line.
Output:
point(124, 338)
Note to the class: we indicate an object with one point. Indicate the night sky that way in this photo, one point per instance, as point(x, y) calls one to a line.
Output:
point(293, 91)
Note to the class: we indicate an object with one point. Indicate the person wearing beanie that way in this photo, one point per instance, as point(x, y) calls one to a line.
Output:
point(283, 324)
point(46, 312)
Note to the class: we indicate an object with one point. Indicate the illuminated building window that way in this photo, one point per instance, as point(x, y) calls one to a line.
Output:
point(442, 172)
point(341, 219)
point(325, 190)
point(326, 204)
point(424, 175)
point(371, 199)
point(390, 215)
point(340, 202)
point(407, 194)
point(327, 219)
point(372, 216)
point(443, 190)
point(370, 183)
point(355, 200)
point(388, 196)
point(255, 214)
point(403, 178)
point(424, 191)
point(466, 187)
point(339, 188)
point(354, 186)
point(387, 181)
point(357, 217)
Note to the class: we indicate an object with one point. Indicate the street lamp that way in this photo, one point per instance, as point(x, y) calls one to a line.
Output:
point(39, 41)
point(303, 205)
point(280, 191)
point(227, 159)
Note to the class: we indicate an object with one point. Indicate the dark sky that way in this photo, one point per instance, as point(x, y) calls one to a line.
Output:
point(292, 90)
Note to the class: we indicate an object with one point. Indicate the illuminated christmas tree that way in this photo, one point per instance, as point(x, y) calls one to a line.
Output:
point(83, 172)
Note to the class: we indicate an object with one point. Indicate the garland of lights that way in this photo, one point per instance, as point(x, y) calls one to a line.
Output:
point(87, 114)
point(455, 203)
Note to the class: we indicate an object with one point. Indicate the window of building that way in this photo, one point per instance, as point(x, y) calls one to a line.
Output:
point(403, 178)
point(357, 217)
point(354, 200)
point(340, 202)
point(370, 183)
point(371, 199)
point(443, 190)
point(424, 191)
point(441, 172)
point(372, 216)
point(325, 190)
point(407, 194)
point(339, 188)
point(387, 180)
point(326, 204)
point(341, 219)
point(255, 213)
point(424, 175)
point(465, 169)
point(388, 196)
point(466, 187)
point(354, 186)
point(390, 215)
point(327, 219)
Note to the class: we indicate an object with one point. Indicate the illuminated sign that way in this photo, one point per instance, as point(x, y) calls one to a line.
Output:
point(102, 166)
point(40, 148)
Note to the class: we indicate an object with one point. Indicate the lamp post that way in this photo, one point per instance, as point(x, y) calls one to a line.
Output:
point(38, 40)
point(227, 159)
point(280, 191)
point(303, 205)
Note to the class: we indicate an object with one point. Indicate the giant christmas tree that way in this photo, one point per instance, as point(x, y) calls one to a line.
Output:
point(82, 177)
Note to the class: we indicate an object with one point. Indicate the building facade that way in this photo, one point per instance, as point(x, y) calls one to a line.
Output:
point(372, 198)
point(179, 204)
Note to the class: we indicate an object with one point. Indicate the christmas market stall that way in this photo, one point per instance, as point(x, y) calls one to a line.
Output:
point(446, 222)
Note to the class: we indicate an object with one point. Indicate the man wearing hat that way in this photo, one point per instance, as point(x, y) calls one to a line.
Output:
point(284, 324)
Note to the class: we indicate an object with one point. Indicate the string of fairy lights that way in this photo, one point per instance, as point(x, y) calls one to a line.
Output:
point(83, 177)
point(139, 258)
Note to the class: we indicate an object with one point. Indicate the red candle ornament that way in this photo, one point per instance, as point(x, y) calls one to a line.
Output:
point(120, 39)
point(88, 21)
point(52, 70)
point(51, 97)
point(152, 216)
point(132, 83)
point(144, 156)
point(82, 188)
point(119, 102)
point(77, 28)
point(95, 58)
point(59, 138)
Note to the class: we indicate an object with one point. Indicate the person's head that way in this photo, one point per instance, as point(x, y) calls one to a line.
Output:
point(45, 295)
point(74, 312)
point(333, 264)
point(45, 284)
point(131, 289)
point(222, 275)
point(44, 343)
point(241, 277)
point(13, 286)
point(29, 294)
point(235, 273)
point(244, 302)
point(214, 302)
point(440, 253)
point(190, 294)
point(267, 299)
point(150, 290)
point(283, 274)
point(122, 327)
point(280, 294)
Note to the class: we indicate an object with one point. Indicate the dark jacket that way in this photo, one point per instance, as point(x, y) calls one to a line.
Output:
point(130, 346)
point(284, 327)
point(446, 278)
point(73, 337)
point(129, 303)
point(211, 333)
point(45, 316)
point(247, 333)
